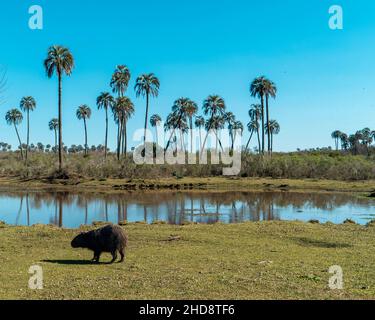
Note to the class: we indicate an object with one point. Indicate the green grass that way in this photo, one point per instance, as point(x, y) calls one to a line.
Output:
point(268, 260)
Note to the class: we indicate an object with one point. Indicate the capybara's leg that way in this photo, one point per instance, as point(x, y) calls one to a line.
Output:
point(122, 254)
point(114, 256)
point(96, 257)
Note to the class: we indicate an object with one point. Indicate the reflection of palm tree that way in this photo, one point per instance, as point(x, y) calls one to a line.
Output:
point(28, 209)
point(19, 211)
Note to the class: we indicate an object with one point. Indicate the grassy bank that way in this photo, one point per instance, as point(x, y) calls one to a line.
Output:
point(270, 260)
point(199, 184)
point(320, 165)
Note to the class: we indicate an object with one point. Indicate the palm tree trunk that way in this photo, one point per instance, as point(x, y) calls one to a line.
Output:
point(84, 122)
point(125, 138)
point(19, 140)
point(28, 132)
point(247, 146)
point(205, 139)
point(123, 135)
point(258, 134)
point(271, 144)
point(263, 134)
point(191, 135)
point(60, 123)
point(200, 138)
point(268, 124)
point(55, 140)
point(119, 138)
point(106, 133)
point(146, 120)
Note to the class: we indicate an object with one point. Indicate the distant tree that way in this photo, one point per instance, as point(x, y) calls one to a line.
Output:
point(213, 106)
point(119, 84)
point(105, 101)
point(147, 85)
point(199, 123)
point(53, 125)
point(155, 120)
point(14, 117)
point(274, 128)
point(28, 104)
point(191, 111)
point(84, 113)
point(336, 135)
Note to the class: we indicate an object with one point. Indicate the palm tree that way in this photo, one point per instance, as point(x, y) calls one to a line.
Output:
point(199, 123)
point(83, 113)
point(53, 125)
point(216, 123)
point(191, 110)
point(336, 135)
point(258, 89)
point(126, 109)
point(271, 91)
point(177, 119)
point(27, 104)
point(236, 126)
point(230, 119)
point(105, 101)
point(255, 114)
point(213, 106)
point(147, 85)
point(344, 141)
point(119, 84)
point(272, 128)
point(60, 61)
point(15, 117)
point(155, 120)
point(252, 126)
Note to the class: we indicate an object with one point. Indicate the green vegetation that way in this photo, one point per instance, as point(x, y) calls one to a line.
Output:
point(268, 260)
point(329, 165)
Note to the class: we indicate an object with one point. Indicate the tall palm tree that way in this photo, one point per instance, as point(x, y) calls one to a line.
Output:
point(126, 110)
point(53, 125)
point(213, 106)
point(191, 110)
point(155, 120)
point(336, 135)
point(15, 117)
point(28, 104)
point(105, 101)
point(255, 114)
point(274, 128)
point(119, 84)
point(147, 85)
point(270, 92)
point(199, 123)
point(84, 113)
point(258, 90)
point(60, 61)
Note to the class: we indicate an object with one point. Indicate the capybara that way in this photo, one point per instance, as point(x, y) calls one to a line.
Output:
point(111, 238)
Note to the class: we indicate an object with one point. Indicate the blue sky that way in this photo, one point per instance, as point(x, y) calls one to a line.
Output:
point(325, 78)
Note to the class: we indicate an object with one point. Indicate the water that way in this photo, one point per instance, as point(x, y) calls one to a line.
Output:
point(72, 210)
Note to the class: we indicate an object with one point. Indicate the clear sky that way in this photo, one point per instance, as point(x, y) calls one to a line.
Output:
point(325, 78)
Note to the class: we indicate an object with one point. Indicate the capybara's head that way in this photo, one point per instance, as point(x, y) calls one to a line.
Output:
point(80, 241)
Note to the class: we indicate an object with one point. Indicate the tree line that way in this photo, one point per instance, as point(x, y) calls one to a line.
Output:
point(182, 118)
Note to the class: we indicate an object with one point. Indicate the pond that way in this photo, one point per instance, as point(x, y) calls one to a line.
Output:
point(72, 210)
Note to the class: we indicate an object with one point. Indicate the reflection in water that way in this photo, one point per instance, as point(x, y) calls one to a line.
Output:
point(72, 210)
